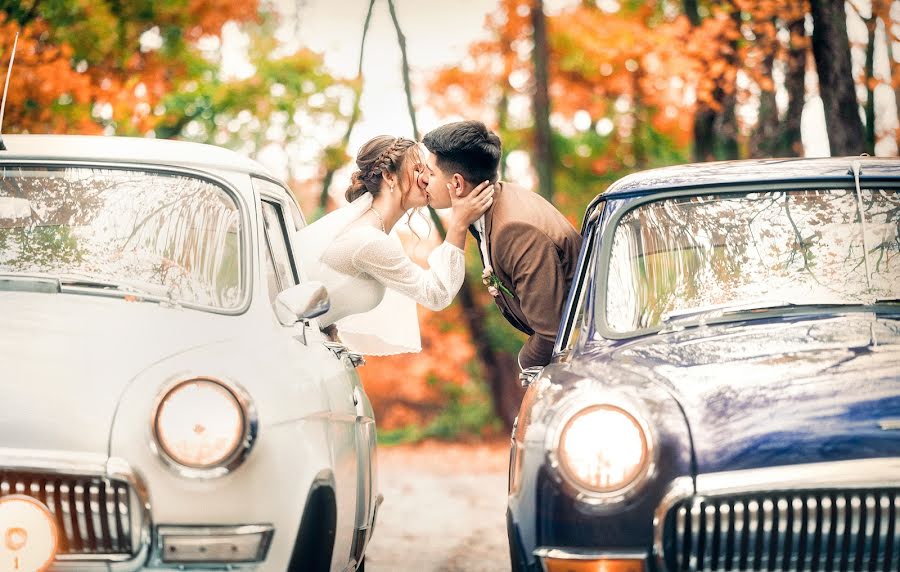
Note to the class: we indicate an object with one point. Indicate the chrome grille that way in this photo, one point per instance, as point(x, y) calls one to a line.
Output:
point(816, 530)
point(93, 513)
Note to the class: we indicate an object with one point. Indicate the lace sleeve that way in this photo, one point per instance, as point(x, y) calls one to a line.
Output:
point(384, 260)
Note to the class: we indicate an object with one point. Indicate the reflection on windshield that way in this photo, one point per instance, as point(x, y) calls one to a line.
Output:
point(798, 246)
point(177, 232)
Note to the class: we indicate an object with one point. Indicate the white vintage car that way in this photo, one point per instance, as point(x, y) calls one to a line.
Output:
point(167, 400)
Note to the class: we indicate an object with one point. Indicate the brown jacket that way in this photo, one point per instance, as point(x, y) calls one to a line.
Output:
point(533, 251)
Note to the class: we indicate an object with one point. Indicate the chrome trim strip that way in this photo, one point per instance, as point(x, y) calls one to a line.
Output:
point(681, 488)
point(62, 494)
point(576, 554)
point(838, 474)
point(896, 555)
point(739, 521)
point(768, 518)
point(118, 469)
point(680, 518)
point(695, 516)
point(724, 512)
point(861, 473)
point(110, 495)
point(54, 462)
point(80, 514)
point(243, 449)
point(94, 509)
point(797, 515)
point(868, 547)
point(753, 527)
point(812, 507)
point(781, 508)
point(855, 522)
point(826, 506)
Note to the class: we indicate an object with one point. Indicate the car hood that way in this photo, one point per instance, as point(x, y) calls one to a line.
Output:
point(66, 359)
point(780, 392)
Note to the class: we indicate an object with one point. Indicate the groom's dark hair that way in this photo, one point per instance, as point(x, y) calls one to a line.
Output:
point(466, 147)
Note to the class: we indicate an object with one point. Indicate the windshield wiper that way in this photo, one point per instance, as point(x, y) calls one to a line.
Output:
point(719, 310)
point(50, 282)
point(722, 309)
point(71, 280)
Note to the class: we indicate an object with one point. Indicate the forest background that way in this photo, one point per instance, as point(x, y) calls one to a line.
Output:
point(582, 92)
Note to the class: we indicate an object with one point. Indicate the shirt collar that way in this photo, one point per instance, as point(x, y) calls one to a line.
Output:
point(479, 226)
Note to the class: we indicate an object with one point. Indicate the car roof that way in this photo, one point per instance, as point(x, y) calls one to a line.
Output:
point(132, 150)
point(752, 170)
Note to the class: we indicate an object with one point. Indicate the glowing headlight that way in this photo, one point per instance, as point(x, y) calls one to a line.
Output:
point(603, 449)
point(200, 424)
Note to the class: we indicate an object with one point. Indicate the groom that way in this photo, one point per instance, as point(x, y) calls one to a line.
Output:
point(528, 248)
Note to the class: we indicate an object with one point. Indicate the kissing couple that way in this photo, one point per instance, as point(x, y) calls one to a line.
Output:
point(528, 248)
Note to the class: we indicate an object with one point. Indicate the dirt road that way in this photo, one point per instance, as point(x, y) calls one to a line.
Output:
point(444, 509)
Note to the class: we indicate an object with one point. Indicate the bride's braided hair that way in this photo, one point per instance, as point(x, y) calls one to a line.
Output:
point(379, 155)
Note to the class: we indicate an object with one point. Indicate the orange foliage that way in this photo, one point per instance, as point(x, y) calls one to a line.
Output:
point(405, 389)
point(644, 61)
point(42, 81)
point(112, 81)
point(208, 16)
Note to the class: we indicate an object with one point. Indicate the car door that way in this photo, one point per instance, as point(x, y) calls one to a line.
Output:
point(351, 422)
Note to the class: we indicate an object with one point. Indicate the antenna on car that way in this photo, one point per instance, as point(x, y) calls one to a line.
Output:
point(12, 58)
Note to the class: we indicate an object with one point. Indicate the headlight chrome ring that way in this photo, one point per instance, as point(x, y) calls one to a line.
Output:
point(603, 450)
point(203, 427)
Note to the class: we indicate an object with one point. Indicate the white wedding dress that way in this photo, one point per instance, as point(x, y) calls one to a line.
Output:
point(372, 284)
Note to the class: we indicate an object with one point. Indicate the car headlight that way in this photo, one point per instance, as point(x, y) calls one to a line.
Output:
point(204, 426)
point(603, 450)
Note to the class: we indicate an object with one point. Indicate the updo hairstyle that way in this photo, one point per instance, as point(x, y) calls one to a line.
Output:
point(382, 154)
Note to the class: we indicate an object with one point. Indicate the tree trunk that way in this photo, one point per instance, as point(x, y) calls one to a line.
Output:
point(703, 116)
point(498, 369)
point(871, 25)
point(789, 142)
point(764, 140)
point(543, 141)
point(725, 126)
point(831, 49)
point(354, 115)
point(692, 11)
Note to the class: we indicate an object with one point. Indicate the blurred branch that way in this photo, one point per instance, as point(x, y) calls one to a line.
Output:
point(401, 41)
point(354, 116)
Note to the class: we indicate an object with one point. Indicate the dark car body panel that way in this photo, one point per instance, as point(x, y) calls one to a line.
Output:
point(781, 388)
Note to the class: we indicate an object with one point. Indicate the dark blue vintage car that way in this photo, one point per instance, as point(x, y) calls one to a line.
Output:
point(725, 393)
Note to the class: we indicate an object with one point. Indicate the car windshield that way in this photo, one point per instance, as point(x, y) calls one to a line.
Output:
point(157, 233)
point(680, 256)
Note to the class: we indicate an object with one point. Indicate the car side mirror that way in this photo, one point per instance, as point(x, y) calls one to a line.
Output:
point(301, 302)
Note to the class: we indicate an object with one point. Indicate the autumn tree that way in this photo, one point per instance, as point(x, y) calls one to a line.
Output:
point(154, 68)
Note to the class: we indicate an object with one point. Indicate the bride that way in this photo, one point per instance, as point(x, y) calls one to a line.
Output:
point(372, 284)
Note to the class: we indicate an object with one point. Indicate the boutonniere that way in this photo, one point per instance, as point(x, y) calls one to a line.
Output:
point(494, 285)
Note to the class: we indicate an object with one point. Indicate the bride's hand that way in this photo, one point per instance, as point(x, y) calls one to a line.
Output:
point(469, 208)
